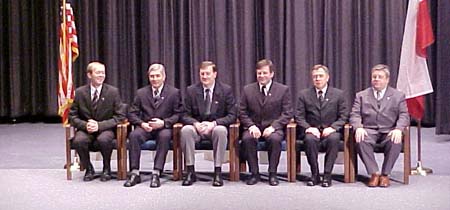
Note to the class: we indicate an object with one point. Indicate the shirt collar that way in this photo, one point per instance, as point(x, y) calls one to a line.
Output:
point(324, 90)
point(267, 86)
point(159, 89)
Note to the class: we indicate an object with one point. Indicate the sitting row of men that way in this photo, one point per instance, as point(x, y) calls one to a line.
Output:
point(379, 115)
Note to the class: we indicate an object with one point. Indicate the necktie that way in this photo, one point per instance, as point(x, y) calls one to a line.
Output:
point(156, 96)
point(207, 102)
point(320, 97)
point(378, 99)
point(95, 100)
point(263, 91)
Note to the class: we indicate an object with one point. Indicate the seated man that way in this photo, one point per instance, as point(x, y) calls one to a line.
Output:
point(210, 108)
point(321, 113)
point(265, 110)
point(379, 115)
point(95, 113)
point(155, 109)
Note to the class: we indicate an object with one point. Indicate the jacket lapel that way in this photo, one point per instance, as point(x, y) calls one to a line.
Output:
point(372, 99)
point(199, 98)
point(386, 98)
point(217, 93)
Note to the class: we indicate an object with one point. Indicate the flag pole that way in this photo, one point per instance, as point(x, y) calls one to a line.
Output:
point(419, 169)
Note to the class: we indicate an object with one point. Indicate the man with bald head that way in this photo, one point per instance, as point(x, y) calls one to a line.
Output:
point(155, 109)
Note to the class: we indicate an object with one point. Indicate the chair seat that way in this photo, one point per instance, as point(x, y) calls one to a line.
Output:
point(300, 146)
point(94, 146)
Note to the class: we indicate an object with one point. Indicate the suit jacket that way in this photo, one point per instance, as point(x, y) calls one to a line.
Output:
point(274, 110)
point(333, 112)
point(144, 107)
point(223, 105)
point(110, 110)
point(393, 112)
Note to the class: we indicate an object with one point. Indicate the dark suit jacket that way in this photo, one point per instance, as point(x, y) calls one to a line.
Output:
point(393, 112)
point(333, 112)
point(168, 108)
point(223, 105)
point(275, 110)
point(110, 110)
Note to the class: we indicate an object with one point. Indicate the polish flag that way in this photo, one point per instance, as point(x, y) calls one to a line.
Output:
point(413, 77)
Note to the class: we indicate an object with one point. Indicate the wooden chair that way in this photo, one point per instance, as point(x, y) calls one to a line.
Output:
point(240, 165)
point(297, 145)
point(406, 150)
point(233, 133)
point(118, 145)
point(150, 145)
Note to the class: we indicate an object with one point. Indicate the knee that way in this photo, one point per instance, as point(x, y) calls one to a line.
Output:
point(165, 135)
point(187, 130)
point(104, 140)
point(220, 131)
point(310, 139)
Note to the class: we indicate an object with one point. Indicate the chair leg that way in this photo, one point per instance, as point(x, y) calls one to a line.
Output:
point(291, 153)
point(68, 154)
point(406, 156)
point(177, 157)
point(121, 152)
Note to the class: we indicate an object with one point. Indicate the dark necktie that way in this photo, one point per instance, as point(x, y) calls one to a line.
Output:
point(207, 102)
point(95, 100)
point(320, 97)
point(263, 91)
point(156, 97)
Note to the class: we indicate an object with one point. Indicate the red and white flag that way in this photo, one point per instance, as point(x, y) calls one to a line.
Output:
point(413, 77)
point(68, 53)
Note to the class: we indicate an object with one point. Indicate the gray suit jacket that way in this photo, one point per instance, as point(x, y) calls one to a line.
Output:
point(168, 108)
point(393, 112)
point(223, 106)
point(275, 110)
point(110, 110)
point(333, 112)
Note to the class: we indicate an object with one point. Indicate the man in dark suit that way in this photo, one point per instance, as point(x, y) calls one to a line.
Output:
point(95, 113)
point(210, 108)
point(321, 113)
point(155, 109)
point(265, 110)
point(379, 115)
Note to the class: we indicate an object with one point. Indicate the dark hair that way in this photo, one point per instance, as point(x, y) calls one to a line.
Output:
point(205, 64)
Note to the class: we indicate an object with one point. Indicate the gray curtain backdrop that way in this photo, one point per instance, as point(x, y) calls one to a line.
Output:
point(349, 36)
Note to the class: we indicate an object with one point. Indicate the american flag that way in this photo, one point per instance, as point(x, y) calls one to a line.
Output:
point(68, 53)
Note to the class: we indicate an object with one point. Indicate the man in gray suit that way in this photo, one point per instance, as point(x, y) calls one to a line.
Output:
point(95, 113)
point(265, 110)
point(155, 109)
point(210, 108)
point(321, 114)
point(379, 115)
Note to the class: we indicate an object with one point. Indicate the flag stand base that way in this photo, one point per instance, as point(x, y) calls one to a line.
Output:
point(419, 170)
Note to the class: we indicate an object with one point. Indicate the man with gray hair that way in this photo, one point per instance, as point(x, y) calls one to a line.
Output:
point(379, 115)
point(155, 109)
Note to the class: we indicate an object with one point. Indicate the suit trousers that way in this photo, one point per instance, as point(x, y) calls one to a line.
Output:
point(274, 150)
point(366, 152)
point(218, 136)
point(313, 145)
point(102, 140)
point(138, 136)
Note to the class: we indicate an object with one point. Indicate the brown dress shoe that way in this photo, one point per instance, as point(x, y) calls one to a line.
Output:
point(384, 181)
point(374, 180)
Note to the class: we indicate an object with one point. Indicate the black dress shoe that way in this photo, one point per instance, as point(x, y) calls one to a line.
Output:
point(106, 175)
point(189, 179)
point(155, 181)
point(218, 181)
point(314, 180)
point(273, 180)
point(326, 180)
point(132, 180)
point(89, 175)
point(254, 178)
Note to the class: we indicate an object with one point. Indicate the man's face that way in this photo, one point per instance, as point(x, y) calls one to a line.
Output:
point(263, 75)
point(320, 78)
point(379, 80)
point(156, 78)
point(207, 76)
point(97, 76)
